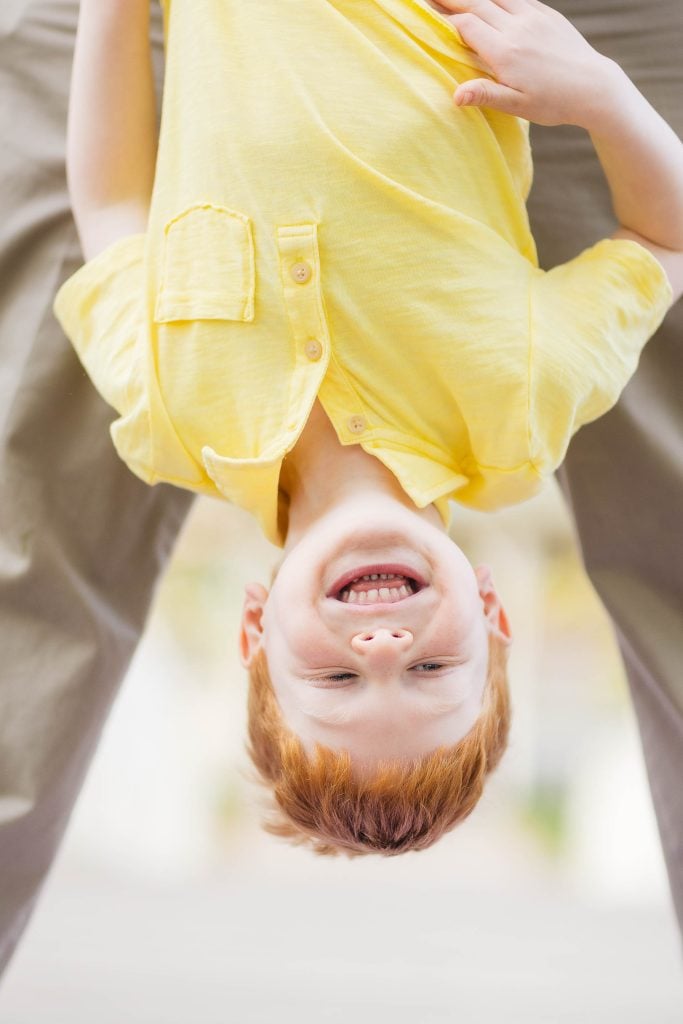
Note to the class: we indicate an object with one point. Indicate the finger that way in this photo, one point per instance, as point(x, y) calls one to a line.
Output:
point(484, 39)
point(481, 92)
point(486, 10)
point(513, 6)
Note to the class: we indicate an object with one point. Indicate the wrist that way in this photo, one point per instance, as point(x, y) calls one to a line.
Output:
point(610, 98)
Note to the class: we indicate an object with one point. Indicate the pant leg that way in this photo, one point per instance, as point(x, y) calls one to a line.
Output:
point(82, 541)
point(623, 476)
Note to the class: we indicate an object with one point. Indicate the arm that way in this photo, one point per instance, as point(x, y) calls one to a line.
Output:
point(642, 158)
point(545, 71)
point(111, 129)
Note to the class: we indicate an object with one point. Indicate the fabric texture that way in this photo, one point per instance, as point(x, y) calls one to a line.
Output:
point(82, 541)
point(389, 269)
point(623, 475)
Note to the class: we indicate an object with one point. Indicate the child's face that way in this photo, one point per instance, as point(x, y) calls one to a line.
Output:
point(393, 673)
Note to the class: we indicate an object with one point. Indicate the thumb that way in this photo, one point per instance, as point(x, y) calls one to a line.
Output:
point(482, 92)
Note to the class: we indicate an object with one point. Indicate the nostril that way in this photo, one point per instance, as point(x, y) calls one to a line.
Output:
point(396, 634)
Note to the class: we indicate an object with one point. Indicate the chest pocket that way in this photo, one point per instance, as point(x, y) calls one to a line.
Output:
point(207, 266)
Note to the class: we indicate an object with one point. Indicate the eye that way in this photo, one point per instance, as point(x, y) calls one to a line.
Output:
point(339, 677)
point(427, 666)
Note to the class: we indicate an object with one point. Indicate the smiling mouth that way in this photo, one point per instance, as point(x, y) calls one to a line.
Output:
point(378, 588)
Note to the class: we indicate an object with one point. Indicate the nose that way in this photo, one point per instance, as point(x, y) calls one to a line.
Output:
point(378, 641)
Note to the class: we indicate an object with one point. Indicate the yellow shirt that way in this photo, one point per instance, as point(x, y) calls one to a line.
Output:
point(325, 222)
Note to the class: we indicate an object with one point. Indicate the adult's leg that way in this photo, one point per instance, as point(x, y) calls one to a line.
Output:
point(623, 476)
point(82, 541)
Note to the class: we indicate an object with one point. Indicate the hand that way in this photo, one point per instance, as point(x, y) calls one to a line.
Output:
point(543, 68)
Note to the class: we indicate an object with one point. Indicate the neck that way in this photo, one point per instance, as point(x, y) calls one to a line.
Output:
point(320, 474)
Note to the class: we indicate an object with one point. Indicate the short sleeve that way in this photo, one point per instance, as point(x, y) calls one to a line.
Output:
point(101, 310)
point(589, 321)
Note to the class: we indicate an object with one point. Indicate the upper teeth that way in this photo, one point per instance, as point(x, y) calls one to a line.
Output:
point(397, 587)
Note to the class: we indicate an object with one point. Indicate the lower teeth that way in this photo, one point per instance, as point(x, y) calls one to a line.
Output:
point(384, 594)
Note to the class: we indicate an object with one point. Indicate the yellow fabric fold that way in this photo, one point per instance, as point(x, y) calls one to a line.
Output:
point(325, 223)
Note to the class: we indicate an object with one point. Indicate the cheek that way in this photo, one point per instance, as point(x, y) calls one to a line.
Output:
point(456, 623)
point(465, 607)
point(294, 633)
point(460, 630)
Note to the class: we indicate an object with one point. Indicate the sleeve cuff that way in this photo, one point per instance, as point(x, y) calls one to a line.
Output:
point(88, 279)
point(649, 275)
point(101, 309)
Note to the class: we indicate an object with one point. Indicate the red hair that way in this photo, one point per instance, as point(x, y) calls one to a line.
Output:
point(318, 802)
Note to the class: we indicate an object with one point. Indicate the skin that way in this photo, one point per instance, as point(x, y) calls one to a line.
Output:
point(382, 680)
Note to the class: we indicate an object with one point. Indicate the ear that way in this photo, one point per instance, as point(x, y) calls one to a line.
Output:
point(251, 627)
point(494, 613)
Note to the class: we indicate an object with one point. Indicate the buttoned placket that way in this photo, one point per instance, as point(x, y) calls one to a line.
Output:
point(300, 275)
point(252, 483)
point(302, 287)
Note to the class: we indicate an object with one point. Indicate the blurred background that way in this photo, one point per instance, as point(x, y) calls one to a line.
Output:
point(169, 904)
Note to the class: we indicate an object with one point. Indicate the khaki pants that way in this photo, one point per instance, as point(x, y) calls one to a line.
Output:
point(82, 541)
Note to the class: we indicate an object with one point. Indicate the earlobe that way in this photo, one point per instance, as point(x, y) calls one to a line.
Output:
point(494, 613)
point(251, 627)
point(501, 626)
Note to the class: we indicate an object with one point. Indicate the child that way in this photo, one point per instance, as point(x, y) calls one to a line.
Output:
point(331, 312)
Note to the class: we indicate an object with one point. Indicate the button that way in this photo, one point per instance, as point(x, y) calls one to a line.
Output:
point(301, 271)
point(313, 350)
point(356, 424)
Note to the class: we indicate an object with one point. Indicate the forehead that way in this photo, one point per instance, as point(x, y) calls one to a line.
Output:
point(405, 736)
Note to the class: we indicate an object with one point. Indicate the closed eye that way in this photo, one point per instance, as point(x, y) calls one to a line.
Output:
point(423, 666)
point(429, 699)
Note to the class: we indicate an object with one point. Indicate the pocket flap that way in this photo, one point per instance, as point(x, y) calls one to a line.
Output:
point(207, 269)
